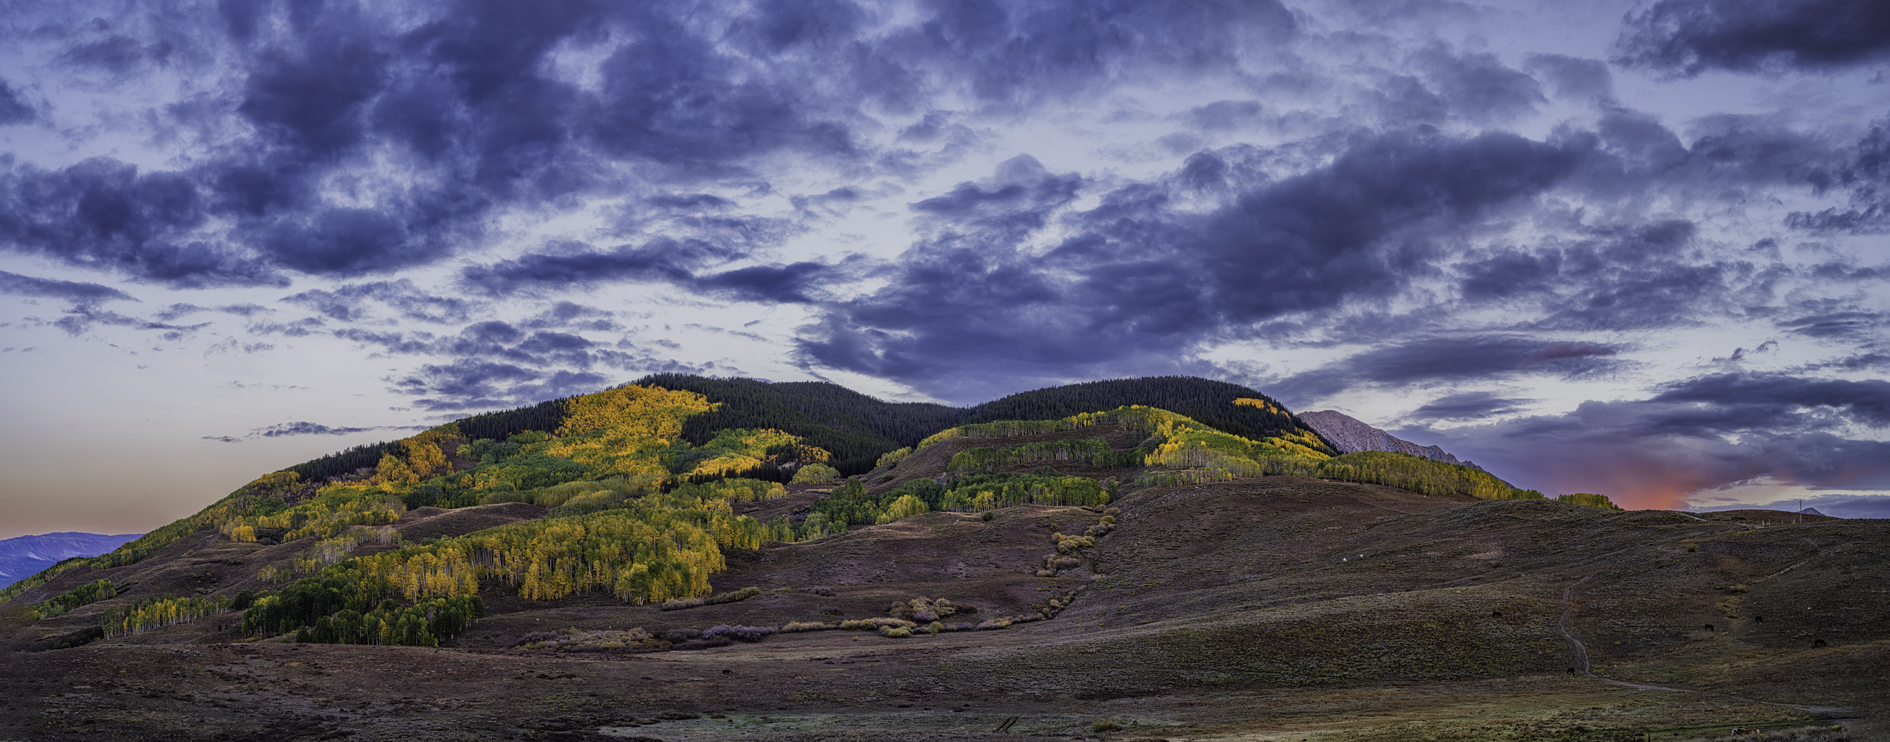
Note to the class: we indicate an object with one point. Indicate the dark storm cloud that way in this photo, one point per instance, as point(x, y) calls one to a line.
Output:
point(1479, 86)
point(1223, 115)
point(1014, 54)
point(1688, 37)
point(566, 315)
point(1836, 325)
point(351, 303)
point(1138, 282)
point(104, 214)
point(81, 318)
point(117, 54)
point(1777, 396)
point(575, 266)
point(1468, 406)
point(782, 284)
point(495, 364)
point(18, 285)
point(1447, 359)
point(13, 110)
point(1864, 172)
point(175, 311)
point(1628, 277)
point(1573, 78)
point(1871, 361)
point(462, 101)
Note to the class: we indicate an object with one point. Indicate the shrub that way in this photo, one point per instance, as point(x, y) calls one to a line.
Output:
point(739, 633)
point(678, 636)
point(815, 474)
point(1589, 499)
point(575, 640)
point(799, 626)
point(735, 596)
point(935, 628)
point(892, 459)
point(992, 624)
point(708, 643)
point(874, 624)
point(1104, 726)
point(895, 632)
point(681, 603)
point(923, 610)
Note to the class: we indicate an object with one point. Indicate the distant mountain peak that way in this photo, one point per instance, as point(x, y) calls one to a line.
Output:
point(25, 555)
point(1351, 436)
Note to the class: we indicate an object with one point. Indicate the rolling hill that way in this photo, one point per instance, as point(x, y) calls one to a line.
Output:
point(1141, 559)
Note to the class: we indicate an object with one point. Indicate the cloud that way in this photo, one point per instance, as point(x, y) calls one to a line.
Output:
point(1450, 360)
point(1137, 281)
point(19, 285)
point(13, 110)
point(301, 428)
point(175, 311)
point(104, 214)
point(305, 428)
point(1776, 397)
point(573, 265)
point(1469, 406)
point(1573, 78)
point(1688, 37)
point(1478, 86)
point(1694, 435)
point(566, 315)
point(350, 303)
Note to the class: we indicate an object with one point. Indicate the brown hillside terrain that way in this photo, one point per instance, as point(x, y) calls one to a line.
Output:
point(1273, 608)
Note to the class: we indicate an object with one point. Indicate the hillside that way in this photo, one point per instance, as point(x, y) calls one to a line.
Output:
point(1129, 571)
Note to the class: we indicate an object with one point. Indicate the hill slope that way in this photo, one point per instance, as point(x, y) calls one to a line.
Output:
point(1127, 569)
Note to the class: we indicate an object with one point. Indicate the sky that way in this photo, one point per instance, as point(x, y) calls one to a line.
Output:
point(1629, 248)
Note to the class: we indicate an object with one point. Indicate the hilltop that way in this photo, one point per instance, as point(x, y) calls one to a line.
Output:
point(685, 559)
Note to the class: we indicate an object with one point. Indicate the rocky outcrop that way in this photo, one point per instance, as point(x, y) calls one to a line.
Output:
point(1352, 436)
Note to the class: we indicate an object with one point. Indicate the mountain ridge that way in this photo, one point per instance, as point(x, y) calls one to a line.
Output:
point(25, 556)
point(1352, 435)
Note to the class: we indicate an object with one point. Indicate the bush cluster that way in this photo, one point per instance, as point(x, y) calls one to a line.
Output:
point(921, 610)
point(732, 596)
point(875, 624)
point(739, 633)
point(576, 640)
